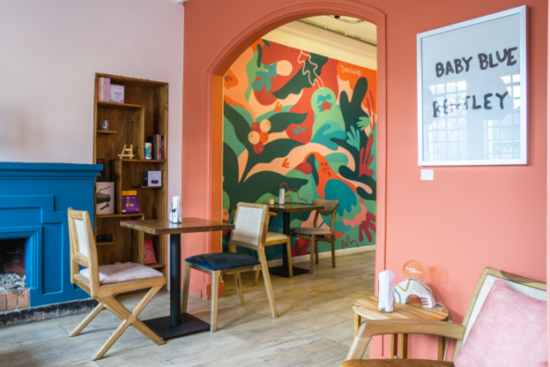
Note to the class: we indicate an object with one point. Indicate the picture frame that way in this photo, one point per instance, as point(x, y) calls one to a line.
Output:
point(472, 92)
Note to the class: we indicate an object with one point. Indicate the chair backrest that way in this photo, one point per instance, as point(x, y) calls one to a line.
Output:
point(526, 286)
point(250, 225)
point(83, 246)
point(330, 207)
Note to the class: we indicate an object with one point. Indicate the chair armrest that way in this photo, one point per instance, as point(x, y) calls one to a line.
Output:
point(383, 327)
point(272, 214)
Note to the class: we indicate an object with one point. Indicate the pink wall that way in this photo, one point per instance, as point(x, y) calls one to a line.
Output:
point(466, 219)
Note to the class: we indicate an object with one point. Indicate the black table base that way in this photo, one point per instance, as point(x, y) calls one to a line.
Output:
point(189, 324)
point(177, 324)
point(282, 271)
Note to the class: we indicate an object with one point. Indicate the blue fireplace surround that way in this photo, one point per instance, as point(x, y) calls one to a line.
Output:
point(34, 198)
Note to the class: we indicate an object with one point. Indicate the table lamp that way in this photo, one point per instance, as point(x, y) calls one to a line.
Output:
point(413, 286)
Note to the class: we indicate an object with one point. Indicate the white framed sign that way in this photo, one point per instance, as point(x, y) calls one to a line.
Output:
point(472, 92)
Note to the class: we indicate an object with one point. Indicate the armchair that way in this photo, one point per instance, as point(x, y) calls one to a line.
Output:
point(460, 332)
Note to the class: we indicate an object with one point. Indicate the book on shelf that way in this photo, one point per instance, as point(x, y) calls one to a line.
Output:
point(129, 201)
point(158, 146)
point(149, 256)
point(103, 89)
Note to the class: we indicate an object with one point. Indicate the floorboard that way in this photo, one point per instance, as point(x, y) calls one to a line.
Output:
point(314, 328)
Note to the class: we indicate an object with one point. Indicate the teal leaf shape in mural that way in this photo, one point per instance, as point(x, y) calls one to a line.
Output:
point(353, 138)
point(280, 121)
point(265, 77)
point(327, 132)
point(363, 122)
point(304, 78)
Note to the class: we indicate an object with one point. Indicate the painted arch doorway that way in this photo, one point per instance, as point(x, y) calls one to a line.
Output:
point(300, 114)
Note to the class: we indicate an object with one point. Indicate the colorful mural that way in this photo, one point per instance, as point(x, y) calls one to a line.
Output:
point(306, 123)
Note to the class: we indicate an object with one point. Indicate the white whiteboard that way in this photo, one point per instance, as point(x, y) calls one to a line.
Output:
point(472, 92)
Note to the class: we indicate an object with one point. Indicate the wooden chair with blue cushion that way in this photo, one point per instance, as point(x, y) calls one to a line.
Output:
point(250, 231)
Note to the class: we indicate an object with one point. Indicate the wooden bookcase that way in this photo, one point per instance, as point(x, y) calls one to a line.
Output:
point(143, 113)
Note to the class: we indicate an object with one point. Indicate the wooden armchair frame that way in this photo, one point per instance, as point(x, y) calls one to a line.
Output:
point(315, 238)
point(85, 254)
point(445, 329)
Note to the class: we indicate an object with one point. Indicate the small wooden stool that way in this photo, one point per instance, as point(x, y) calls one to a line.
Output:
point(367, 308)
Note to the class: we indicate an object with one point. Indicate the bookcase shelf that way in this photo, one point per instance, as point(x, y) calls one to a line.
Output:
point(125, 106)
point(144, 113)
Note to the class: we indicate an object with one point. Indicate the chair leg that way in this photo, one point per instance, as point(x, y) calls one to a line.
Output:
point(239, 286)
point(256, 277)
point(312, 256)
point(267, 281)
point(316, 252)
point(333, 253)
point(214, 311)
point(186, 282)
point(129, 318)
point(289, 258)
point(92, 315)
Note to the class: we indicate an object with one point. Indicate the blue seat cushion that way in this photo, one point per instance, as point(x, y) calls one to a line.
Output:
point(222, 261)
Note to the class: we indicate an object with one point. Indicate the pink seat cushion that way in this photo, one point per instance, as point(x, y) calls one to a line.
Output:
point(121, 273)
point(510, 330)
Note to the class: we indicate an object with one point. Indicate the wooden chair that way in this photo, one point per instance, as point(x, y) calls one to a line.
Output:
point(530, 287)
point(105, 282)
point(272, 239)
point(315, 234)
point(250, 231)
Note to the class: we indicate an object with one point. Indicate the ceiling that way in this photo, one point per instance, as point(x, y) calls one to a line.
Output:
point(351, 27)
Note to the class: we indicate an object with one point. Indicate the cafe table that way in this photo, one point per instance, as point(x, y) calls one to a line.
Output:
point(286, 209)
point(177, 324)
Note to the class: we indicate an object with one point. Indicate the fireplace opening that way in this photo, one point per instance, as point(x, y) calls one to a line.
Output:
point(12, 263)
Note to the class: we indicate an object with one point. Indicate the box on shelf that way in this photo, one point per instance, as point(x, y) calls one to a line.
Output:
point(129, 202)
point(149, 256)
point(117, 93)
point(105, 198)
point(152, 178)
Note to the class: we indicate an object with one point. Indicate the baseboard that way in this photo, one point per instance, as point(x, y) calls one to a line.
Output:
point(324, 255)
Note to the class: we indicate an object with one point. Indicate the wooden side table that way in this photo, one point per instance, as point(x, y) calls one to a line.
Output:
point(367, 308)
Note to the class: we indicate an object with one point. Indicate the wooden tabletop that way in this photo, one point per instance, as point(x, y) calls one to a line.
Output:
point(368, 308)
point(294, 207)
point(164, 226)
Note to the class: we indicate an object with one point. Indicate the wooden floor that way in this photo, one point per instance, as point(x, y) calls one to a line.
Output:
point(315, 327)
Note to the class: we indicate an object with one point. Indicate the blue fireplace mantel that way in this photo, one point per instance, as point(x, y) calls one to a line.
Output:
point(34, 198)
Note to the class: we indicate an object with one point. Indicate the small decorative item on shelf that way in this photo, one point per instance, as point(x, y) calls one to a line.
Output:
point(117, 93)
point(271, 201)
point(385, 291)
point(152, 178)
point(148, 151)
point(127, 153)
point(104, 125)
point(129, 201)
point(413, 286)
point(149, 256)
point(105, 198)
point(175, 213)
point(102, 176)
